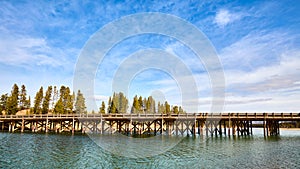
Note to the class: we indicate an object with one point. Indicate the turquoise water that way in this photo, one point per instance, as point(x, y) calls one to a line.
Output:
point(27, 150)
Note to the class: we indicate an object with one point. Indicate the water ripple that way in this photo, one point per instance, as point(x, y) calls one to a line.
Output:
point(30, 150)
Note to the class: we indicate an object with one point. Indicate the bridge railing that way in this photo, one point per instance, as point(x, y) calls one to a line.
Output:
point(155, 115)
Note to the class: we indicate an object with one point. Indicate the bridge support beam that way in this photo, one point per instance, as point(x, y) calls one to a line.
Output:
point(272, 128)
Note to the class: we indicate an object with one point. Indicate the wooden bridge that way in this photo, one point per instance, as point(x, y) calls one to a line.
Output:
point(170, 124)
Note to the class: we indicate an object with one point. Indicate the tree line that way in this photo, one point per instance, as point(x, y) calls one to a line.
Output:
point(63, 101)
point(118, 103)
point(54, 101)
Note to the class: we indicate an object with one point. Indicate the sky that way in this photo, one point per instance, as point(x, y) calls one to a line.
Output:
point(256, 42)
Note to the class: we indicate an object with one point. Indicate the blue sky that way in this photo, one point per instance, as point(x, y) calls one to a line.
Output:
point(257, 43)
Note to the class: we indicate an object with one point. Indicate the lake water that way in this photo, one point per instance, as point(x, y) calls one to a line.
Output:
point(31, 150)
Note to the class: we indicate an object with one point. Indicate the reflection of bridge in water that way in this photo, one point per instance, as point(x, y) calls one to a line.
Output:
point(170, 124)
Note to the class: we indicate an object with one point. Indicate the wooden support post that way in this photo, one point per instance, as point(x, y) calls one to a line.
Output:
point(46, 125)
point(140, 128)
point(13, 126)
point(233, 128)
point(265, 125)
point(206, 128)
point(199, 127)
point(216, 128)
point(176, 127)
point(155, 132)
point(10, 126)
point(212, 128)
point(248, 128)
point(134, 127)
point(22, 128)
point(224, 125)
point(220, 128)
point(182, 130)
point(268, 127)
point(55, 127)
point(100, 122)
point(229, 127)
point(168, 127)
point(251, 127)
point(264, 128)
point(173, 127)
point(187, 127)
point(161, 126)
point(73, 125)
point(195, 127)
point(35, 127)
point(83, 127)
point(60, 127)
point(102, 126)
point(111, 127)
point(52, 125)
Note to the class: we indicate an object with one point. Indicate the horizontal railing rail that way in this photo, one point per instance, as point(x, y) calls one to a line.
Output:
point(143, 116)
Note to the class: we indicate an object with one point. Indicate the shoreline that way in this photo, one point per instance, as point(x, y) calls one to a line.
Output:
point(292, 129)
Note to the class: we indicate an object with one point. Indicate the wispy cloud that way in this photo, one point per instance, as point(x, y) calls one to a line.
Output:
point(27, 52)
point(284, 74)
point(224, 17)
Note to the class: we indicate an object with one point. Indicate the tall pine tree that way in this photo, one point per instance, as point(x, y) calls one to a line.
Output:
point(38, 102)
point(46, 100)
point(12, 101)
point(102, 108)
point(80, 107)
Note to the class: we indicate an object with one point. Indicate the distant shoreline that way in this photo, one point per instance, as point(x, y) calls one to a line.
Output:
point(295, 129)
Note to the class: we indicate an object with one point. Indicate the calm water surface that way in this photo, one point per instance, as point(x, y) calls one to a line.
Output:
point(29, 150)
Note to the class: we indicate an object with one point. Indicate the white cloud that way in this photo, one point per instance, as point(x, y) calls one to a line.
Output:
point(255, 50)
point(284, 75)
point(224, 17)
point(28, 51)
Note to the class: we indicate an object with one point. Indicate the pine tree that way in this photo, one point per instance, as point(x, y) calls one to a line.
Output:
point(3, 102)
point(167, 108)
point(102, 108)
point(23, 98)
point(46, 100)
point(12, 101)
point(80, 107)
point(38, 101)
point(119, 101)
point(67, 99)
point(141, 105)
point(159, 108)
point(59, 107)
point(175, 110)
point(135, 105)
point(150, 105)
point(113, 109)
